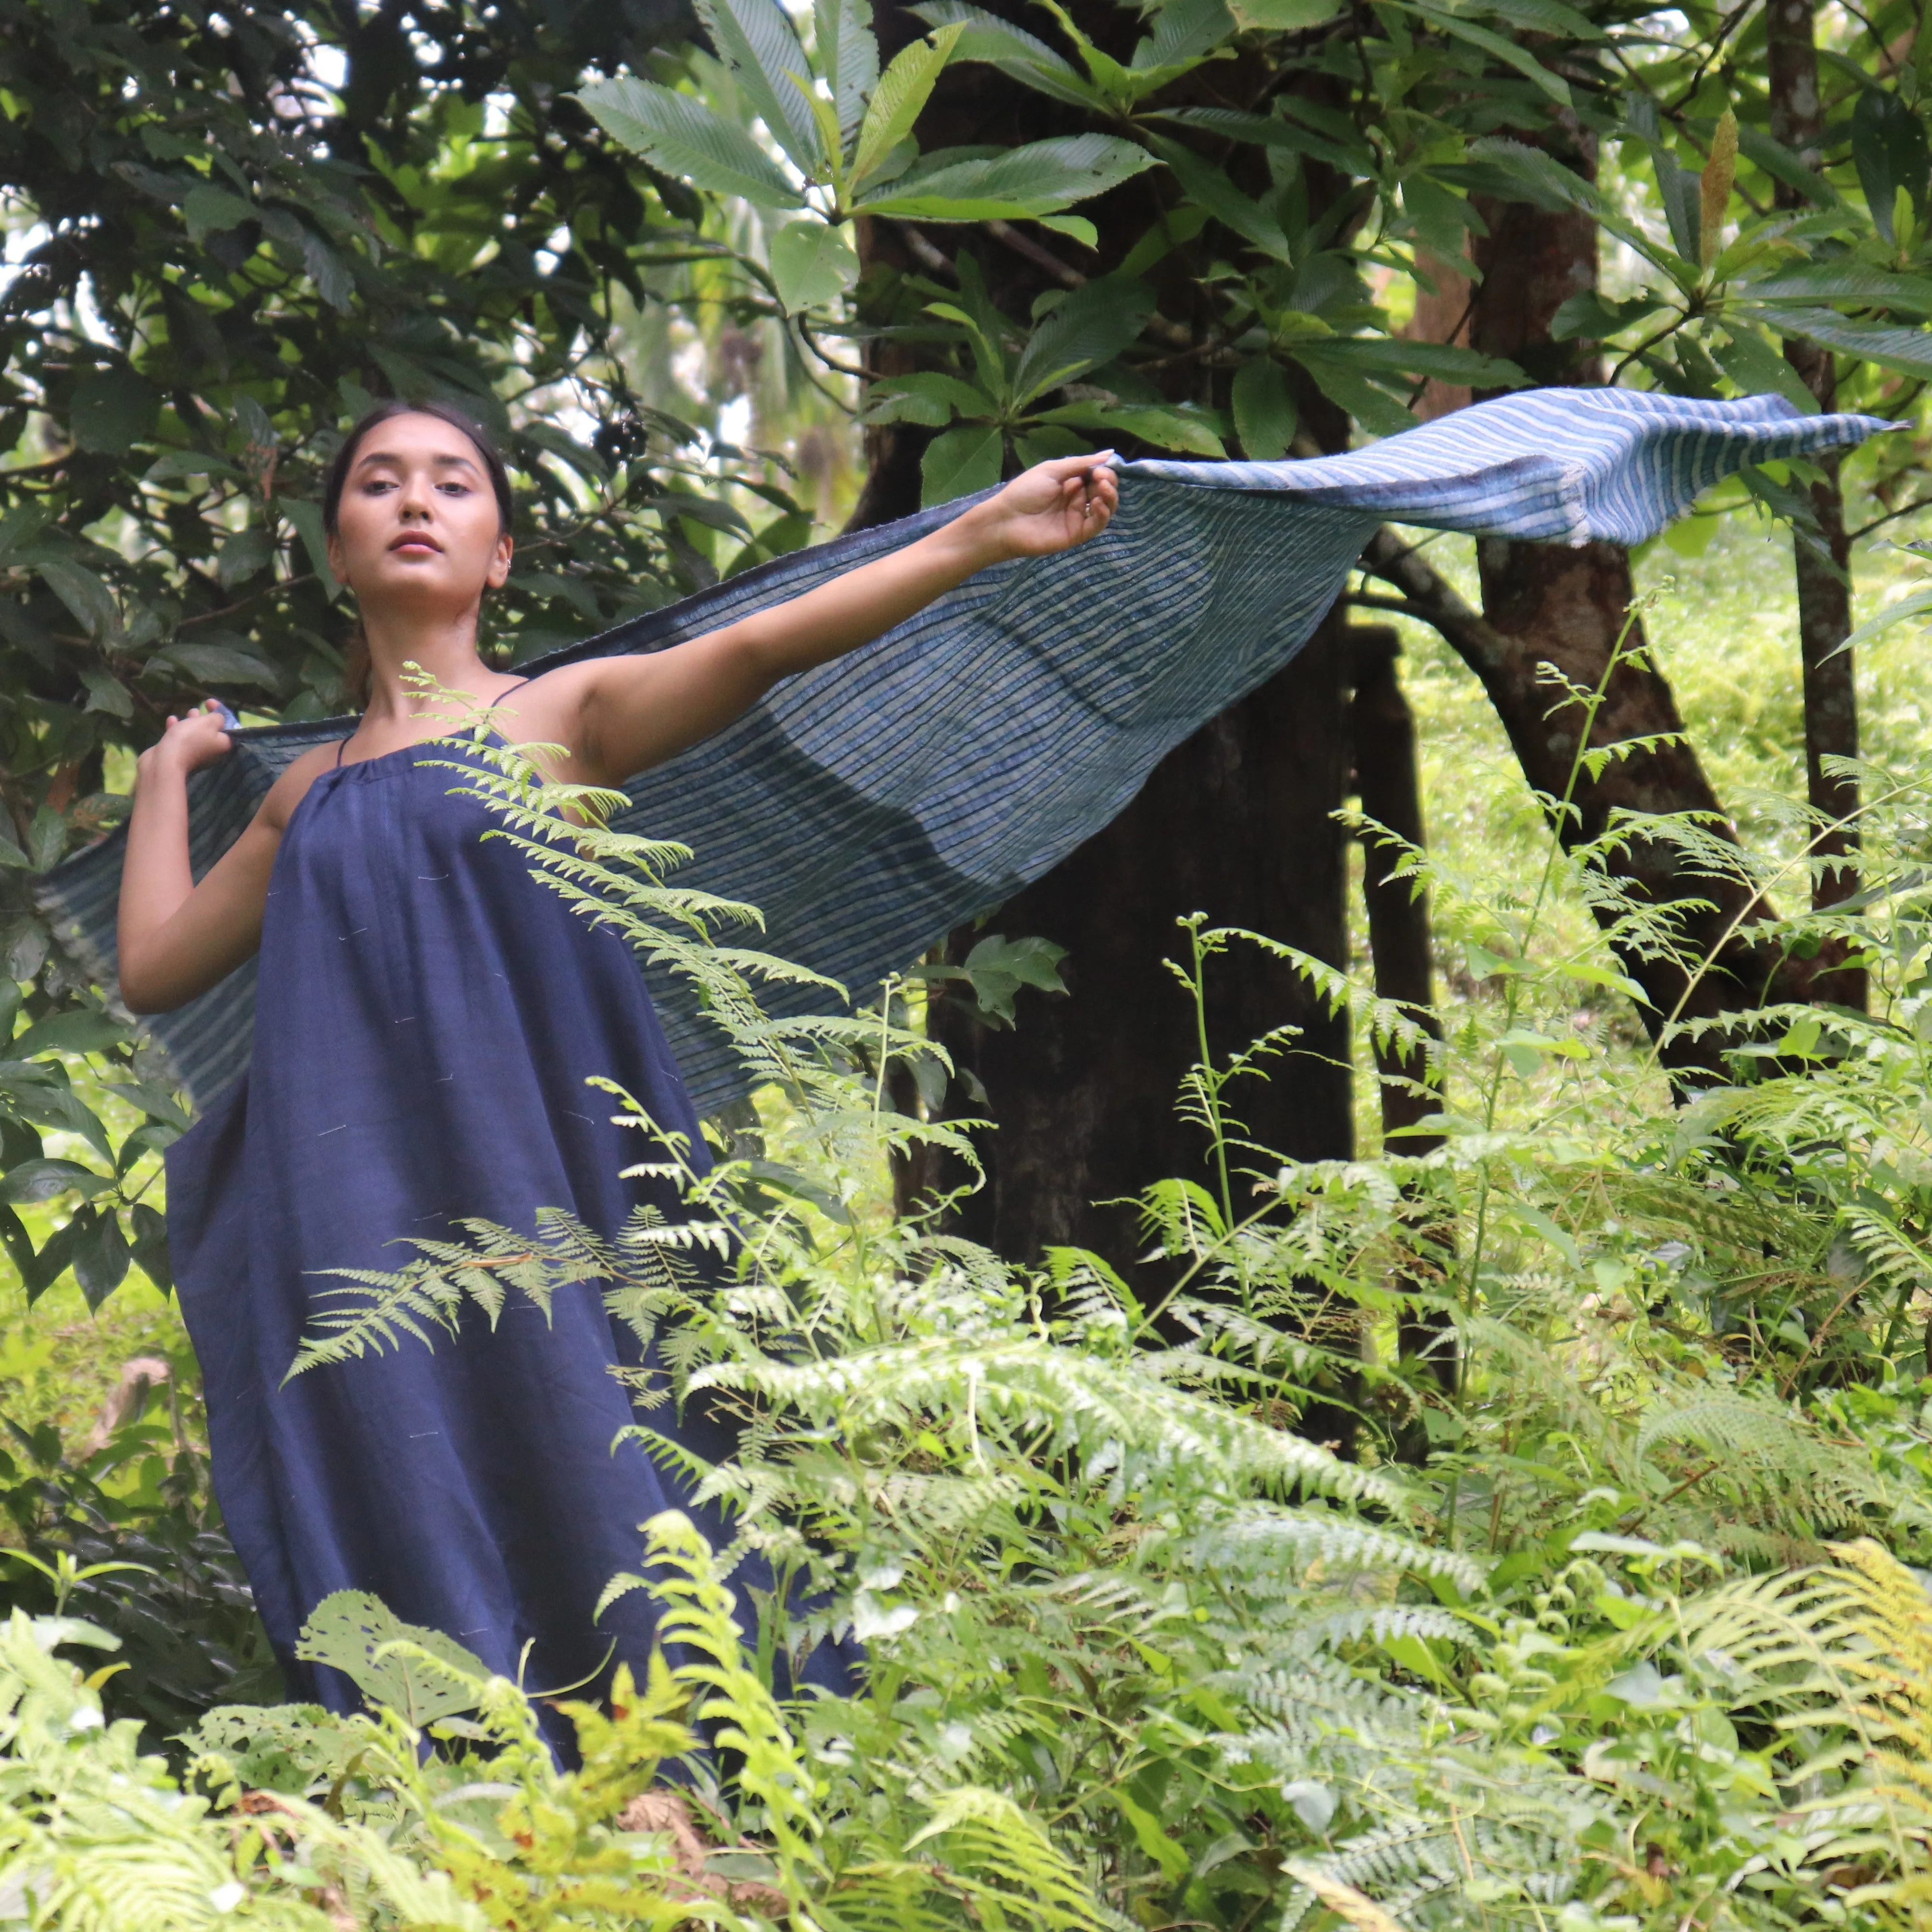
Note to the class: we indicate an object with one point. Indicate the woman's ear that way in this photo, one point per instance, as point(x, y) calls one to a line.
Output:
point(499, 564)
point(337, 568)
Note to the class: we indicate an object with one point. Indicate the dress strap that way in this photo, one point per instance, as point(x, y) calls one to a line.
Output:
point(493, 732)
point(342, 744)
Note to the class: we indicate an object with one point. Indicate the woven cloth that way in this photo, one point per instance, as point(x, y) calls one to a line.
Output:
point(869, 806)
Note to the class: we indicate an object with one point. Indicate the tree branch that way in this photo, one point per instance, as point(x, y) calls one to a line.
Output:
point(1429, 597)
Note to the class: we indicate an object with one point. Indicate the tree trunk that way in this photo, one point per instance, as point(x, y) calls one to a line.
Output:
point(1235, 823)
point(1381, 729)
point(1821, 562)
point(1746, 970)
point(1547, 604)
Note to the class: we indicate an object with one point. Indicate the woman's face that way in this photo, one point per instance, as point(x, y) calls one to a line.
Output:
point(417, 524)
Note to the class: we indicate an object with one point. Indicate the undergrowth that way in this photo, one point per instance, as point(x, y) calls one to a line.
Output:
point(1606, 1621)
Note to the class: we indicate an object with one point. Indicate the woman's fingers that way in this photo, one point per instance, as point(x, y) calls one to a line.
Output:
point(1063, 467)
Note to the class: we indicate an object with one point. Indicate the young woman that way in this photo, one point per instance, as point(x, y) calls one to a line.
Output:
point(427, 1017)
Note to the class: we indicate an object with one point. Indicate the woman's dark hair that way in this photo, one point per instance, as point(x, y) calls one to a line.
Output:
point(356, 669)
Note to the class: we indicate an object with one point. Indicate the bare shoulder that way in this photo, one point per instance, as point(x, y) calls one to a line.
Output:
point(565, 707)
point(289, 789)
point(556, 697)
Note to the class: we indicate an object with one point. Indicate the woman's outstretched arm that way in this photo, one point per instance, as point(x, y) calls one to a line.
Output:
point(176, 938)
point(636, 712)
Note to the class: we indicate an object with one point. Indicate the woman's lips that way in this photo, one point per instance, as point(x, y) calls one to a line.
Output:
point(414, 547)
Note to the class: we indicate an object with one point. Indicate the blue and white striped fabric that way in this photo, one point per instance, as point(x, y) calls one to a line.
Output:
point(869, 806)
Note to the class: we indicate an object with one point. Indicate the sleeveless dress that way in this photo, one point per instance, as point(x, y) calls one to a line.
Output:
point(428, 1015)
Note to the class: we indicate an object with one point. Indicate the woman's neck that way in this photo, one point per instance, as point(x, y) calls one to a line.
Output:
point(404, 652)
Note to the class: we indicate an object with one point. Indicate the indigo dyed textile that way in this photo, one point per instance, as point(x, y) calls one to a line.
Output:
point(869, 805)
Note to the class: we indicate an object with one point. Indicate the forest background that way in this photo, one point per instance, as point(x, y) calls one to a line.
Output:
point(1538, 1304)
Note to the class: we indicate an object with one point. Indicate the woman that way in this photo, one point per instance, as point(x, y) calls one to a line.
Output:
point(428, 1015)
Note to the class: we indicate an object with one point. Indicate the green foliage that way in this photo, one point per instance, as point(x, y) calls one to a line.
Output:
point(1102, 1586)
point(245, 249)
point(221, 261)
point(126, 1538)
point(846, 128)
point(1136, 1649)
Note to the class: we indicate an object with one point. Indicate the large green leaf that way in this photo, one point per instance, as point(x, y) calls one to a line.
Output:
point(1265, 416)
point(50, 1264)
point(1497, 45)
point(683, 137)
point(84, 593)
point(755, 40)
point(113, 409)
point(305, 518)
point(150, 1246)
point(53, 1103)
point(348, 1628)
point(811, 264)
point(1346, 386)
point(98, 1252)
point(1391, 356)
point(83, 1032)
point(218, 664)
point(208, 210)
point(1843, 280)
point(1440, 217)
point(1013, 50)
point(1090, 326)
point(43, 1179)
point(1152, 423)
point(1512, 168)
point(1208, 187)
point(848, 58)
point(901, 96)
point(1907, 350)
point(1041, 178)
point(1680, 193)
point(1889, 149)
point(986, 329)
point(927, 396)
point(961, 461)
point(1588, 317)
point(1184, 33)
point(1283, 16)
point(1544, 16)
point(1781, 164)
point(1758, 369)
point(1234, 124)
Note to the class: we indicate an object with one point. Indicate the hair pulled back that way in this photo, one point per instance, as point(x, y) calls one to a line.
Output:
point(357, 670)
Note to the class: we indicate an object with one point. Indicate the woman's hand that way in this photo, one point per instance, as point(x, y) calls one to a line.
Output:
point(178, 938)
point(1052, 507)
point(191, 741)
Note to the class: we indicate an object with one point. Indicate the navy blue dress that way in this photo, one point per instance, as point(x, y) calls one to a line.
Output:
point(428, 1014)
